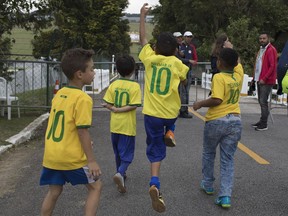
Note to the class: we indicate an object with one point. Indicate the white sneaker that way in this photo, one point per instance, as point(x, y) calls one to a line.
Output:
point(119, 181)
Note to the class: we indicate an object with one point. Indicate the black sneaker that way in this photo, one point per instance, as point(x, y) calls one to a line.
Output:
point(261, 127)
point(256, 124)
point(185, 115)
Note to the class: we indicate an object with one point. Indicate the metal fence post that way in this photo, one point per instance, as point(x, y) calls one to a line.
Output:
point(47, 86)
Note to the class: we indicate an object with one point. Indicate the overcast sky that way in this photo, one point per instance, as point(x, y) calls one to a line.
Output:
point(135, 5)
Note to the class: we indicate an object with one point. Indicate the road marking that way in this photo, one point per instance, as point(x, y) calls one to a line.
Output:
point(252, 154)
point(241, 146)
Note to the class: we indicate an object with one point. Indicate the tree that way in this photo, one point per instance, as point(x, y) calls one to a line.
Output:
point(207, 18)
point(17, 13)
point(243, 37)
point(89, 24)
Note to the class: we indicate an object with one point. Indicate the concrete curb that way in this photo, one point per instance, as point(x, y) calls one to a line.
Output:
point(25, 134)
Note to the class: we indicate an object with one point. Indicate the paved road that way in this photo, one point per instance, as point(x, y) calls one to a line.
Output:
point(260, 189)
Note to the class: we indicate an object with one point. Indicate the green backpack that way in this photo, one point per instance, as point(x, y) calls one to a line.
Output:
point(285, 83)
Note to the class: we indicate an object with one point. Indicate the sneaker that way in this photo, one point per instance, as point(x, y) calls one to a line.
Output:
point(169, 139)
point(157, 200)
point(185, 115)
point(119, 181)
point(256, 124)
point(261, 127)
point(224, 201)
point(208, 191)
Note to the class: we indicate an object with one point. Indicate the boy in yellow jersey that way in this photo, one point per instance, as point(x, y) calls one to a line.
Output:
point(163, 73)
point(223, 125)
point(68, 155)
point(123, 97)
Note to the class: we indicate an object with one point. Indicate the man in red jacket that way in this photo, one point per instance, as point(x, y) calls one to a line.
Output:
point(265, 76)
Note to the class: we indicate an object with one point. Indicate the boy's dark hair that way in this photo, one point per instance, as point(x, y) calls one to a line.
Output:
point(125, 65)
point(166, 44)
point(74, 60)
point(228, 57)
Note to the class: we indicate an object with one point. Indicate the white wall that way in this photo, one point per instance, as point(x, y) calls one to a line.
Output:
point(100, 82)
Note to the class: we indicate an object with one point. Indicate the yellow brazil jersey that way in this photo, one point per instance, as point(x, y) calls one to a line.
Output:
point(162, 78)
point(227, 87)
point(123, 92)
point(71, 109)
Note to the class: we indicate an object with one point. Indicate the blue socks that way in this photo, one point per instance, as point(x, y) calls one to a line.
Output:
point(172, 128)
point(155, 181)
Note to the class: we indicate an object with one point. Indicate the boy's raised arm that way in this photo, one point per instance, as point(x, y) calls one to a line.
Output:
point(142, 31)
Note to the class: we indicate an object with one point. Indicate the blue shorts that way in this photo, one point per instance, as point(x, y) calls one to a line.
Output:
point(60, 177)
point(155, 128)
point(123, 146)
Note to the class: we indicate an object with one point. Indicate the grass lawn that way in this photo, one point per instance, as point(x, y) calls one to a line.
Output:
point(23, 39)
point(15, 125)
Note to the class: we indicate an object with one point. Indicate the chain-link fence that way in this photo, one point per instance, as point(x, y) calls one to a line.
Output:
point(33, 82)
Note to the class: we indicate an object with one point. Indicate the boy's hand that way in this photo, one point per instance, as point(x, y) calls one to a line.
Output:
point(94, 169)
point(145, 9)
point(196, 106)
point(114, 109)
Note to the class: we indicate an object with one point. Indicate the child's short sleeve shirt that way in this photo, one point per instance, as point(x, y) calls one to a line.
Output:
point(227, 87)
point(162, 77)
point(71, 109)
point(123, 92)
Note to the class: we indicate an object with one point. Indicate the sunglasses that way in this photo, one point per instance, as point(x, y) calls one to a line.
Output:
point(189, 36)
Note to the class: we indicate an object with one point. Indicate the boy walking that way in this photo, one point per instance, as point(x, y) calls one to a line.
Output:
point(68, 155)
point(164, 71)
point(223, 125)
point(122, 98)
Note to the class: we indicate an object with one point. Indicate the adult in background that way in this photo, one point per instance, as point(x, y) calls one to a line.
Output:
point(137, 68)
point(218, 45)
point(179, 38)
point(265, 73)
point(190, 58)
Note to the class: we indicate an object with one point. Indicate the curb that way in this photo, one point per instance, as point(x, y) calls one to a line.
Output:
point(25, 134)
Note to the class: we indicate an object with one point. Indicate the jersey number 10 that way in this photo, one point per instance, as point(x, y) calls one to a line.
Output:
point(157, 79)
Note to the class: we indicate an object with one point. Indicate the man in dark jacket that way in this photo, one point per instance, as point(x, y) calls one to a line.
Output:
point(190, 58)
point(265, 73)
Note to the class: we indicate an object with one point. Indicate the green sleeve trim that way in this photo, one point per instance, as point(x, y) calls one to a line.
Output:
point(108, 102)
point(138, 105)
point(83, 126)
point(123, 78)
point(73, 87)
